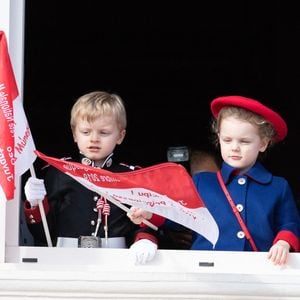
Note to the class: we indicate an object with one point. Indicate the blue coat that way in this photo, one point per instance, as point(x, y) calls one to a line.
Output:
point(265, 203)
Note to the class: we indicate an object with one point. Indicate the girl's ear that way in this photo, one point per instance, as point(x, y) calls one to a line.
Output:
point(264, 144)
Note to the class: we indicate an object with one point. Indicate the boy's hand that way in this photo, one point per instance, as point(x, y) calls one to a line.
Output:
point(35, 190)
point(143, 251)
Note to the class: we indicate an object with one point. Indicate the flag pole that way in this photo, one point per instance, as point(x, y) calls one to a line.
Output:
point(42, 212)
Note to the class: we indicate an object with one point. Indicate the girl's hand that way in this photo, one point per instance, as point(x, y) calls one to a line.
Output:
point(278, 253)
point(137, 215)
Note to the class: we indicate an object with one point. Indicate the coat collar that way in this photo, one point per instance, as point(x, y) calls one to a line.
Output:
point(258, 173)
point(104, 165)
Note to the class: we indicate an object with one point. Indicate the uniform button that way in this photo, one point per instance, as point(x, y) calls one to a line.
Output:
point(95, 209)
point(240, 234)
point(32, 221)
point(93, 223)
point(239, 207)
point(95, 198)
point(242, 181)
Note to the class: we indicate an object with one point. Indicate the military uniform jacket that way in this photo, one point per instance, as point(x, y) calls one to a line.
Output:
point(265, 202)
point(71, 211)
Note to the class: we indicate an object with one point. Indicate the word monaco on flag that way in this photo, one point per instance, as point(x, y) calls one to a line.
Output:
point(165, 189)
point(16, 143)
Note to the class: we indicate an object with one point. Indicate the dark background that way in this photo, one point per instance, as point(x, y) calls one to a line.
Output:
point(167, 61)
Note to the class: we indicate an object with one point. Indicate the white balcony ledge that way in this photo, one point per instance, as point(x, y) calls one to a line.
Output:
point(74, 273)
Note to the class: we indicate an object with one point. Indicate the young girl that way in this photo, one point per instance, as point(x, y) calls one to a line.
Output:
point(263, 215)
point(255, 210)
point(98, 123)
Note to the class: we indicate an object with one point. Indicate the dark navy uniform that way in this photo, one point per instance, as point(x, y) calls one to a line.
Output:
point(71, 210)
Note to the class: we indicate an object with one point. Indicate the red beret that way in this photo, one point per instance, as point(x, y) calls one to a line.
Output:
point(255, 106)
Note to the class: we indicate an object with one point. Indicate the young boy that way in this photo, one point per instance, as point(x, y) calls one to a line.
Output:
point(98, 123)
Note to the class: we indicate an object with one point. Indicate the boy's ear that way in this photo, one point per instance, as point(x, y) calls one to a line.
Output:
point(122, 136)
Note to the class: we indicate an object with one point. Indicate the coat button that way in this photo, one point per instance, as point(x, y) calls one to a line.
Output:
point(93, 223)
point(239, 207)
point(95, 198)
point(95, 209)
point(240, 234)
point(242, 181)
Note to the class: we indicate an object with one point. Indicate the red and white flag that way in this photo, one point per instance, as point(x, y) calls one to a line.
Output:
point(165, 189)
point(16, 143)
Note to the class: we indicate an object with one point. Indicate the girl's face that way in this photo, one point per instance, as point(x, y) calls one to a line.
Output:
point(240, 143)
point(97, 139)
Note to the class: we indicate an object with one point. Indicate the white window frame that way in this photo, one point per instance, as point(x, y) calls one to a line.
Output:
point(12, 14)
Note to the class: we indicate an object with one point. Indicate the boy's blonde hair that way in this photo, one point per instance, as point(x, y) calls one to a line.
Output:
point(95, 104)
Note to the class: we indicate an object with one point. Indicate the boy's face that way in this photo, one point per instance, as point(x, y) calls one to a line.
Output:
point(97, 139)
point(240, 143)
